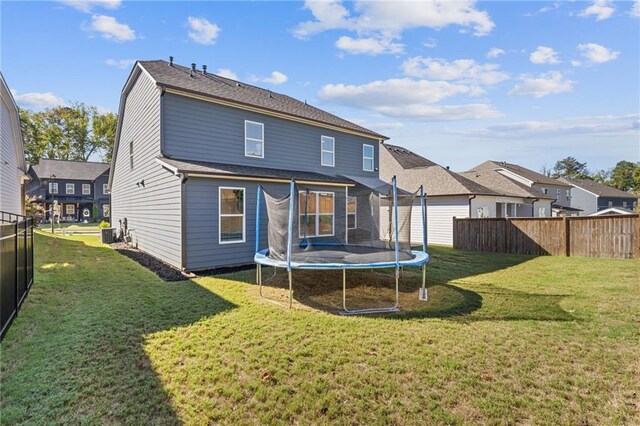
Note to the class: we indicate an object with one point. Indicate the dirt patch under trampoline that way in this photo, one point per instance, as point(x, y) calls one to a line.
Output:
point(161, 269)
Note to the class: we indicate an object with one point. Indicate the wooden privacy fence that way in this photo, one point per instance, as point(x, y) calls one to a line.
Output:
point(602, 236)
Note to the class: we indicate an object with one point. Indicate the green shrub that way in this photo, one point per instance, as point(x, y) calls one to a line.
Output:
point(104, 224)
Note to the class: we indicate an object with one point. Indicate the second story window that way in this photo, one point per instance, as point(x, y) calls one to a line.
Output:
point(105, 188)
point(568, 194)
point(327, 151)
point(253, 139)
point(610, 203)
point(71, 188)
point(558, 193)
point(131, 155)
point(367, 158)
point(86, 189)
point(624, 204)
point(545, 191)
point(53, 187)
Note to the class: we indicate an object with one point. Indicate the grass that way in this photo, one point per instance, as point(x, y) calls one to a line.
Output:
point(503, 340)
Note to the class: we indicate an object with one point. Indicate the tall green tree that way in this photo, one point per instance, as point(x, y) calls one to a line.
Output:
point(75, 132)
point(571, 168)
point(626, 176)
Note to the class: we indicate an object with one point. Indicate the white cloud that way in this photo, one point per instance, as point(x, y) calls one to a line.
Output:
point(202, 31)
point(120, 63)
point(376, 125)
point(111, 29)
point(607, 125)
point(595, 53)
point(369, 45)
point(544, 55)
point(103, 110)
point(227, 73)
point(462, 70)
point(635, 9)
point(87, 6)
point(545, 9)
point(431, 42)
point(409, 99)
point(601, 9)
point(495, 52)
point(385, 20)
point(276, 77)
point(37, 100)
point(542, 85)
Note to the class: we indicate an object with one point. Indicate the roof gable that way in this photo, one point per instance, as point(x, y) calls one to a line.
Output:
point(527, 174)
point(493, 179)
point(597, 188)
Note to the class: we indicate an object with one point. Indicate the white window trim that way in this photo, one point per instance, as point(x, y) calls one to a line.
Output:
point(244, 215)
point(558, 192)
point(73, 188)
point(88, 187)
point(66, 209)
point(252, 139)
point(317, 215)
point(105, 188)
point(355, 222)
point(333, 151)
point(372, 158)
point(53, 187)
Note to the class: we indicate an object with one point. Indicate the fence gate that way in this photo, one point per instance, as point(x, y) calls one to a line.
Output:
point(16, 265)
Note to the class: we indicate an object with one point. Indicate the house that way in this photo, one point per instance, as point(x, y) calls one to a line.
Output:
point(592, 197)
point(517, 199)
point(550, 188)
point(615, 211)
point(192, 147)
point(12, 162)
point(80, 187)
point(448, 194)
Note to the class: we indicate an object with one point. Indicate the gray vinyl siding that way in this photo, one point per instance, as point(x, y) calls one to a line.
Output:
point(203, 131)
point(586, 201)
point(153, 211)
point(553, 193)
point(10, 196)
point(202, 222)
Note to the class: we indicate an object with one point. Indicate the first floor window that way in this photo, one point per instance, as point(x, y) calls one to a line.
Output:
point(482, 212)
point(70, 209)
point(367, 158)
point(106, 210)
point(253, 139)
point(86, 189)
point(53, 187)
point(327, 148)
point(105, 188)
point(71, 188)
point(316, 214)
point(352, 207)
point(542, 212)
point(231, 209)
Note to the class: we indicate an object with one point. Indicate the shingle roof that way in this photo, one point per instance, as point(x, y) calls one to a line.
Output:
point(519, 170)
point(437, 180)
point(597, 188)
point(408, 159)
point(66, 169)
point(215, 86)
point(503, 185)
point(201, 167)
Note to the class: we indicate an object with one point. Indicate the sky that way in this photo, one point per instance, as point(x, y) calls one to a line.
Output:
point(459, 82)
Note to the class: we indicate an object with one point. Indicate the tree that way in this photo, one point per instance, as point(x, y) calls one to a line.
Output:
point(626, 176)
point(75, 132)
point(601, 176)
point(571, 168)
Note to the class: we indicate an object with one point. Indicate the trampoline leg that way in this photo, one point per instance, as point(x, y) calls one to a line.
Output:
point(398, 272)
point(383, 310)
point(290, 290)
point(259, 278)
point(344, 289)
point(423, 290)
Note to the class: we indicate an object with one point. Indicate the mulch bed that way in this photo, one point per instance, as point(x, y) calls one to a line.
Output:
point(161, 269)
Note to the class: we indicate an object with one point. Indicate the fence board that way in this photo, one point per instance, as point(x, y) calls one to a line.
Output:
point(603, 236)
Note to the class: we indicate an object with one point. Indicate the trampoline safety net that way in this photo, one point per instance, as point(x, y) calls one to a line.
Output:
point(355, 227)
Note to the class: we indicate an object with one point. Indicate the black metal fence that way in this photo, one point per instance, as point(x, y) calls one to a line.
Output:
point(16, 265)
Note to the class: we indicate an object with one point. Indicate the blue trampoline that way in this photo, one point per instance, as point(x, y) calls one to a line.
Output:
point(365, 228)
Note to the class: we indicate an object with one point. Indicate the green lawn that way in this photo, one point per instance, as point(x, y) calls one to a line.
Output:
point(503, 340)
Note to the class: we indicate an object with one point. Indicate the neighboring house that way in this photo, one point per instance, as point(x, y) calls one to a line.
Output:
point(12, 163)
point(448, 194)
point(191, 149)
point(549, 187)
point(592, 197)
point(78, 187)
point(616, 211)
point(519, 200)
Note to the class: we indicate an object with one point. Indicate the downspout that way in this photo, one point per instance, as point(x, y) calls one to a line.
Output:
point(162, 93)
point(471, 198)
point(183, 223)
point(533, 210)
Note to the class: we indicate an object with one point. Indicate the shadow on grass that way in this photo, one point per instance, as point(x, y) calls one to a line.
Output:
point(77, 349)
point(322, 290)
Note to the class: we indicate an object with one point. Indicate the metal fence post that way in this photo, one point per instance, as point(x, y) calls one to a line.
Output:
point(15, 253)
